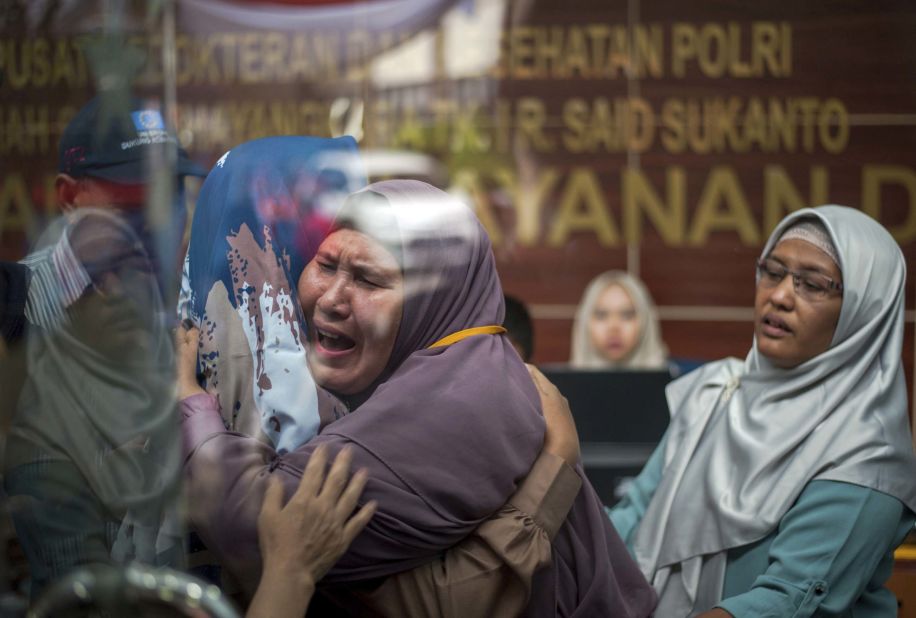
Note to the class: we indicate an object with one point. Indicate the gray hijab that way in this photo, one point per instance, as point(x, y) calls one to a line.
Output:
point(746, 437)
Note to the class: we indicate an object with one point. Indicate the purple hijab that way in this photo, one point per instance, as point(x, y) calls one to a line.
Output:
point(446, 433)
point(451, 429)
point(480, 422)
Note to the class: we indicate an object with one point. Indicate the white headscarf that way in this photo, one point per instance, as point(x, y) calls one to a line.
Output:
point(746, 438)
point(650, 351)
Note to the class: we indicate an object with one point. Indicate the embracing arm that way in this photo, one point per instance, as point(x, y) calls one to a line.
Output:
point(492, 568)
point(826, 553)
point(490, 572)
point(227, 474)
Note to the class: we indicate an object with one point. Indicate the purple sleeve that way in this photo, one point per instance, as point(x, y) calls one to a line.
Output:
point(227, 473)
point(200, 418)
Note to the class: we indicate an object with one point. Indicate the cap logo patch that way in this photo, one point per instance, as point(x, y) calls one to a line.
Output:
point(150, 129)
point(148, 120)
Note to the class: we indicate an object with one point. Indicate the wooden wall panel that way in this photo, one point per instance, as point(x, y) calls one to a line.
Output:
point(858, 56)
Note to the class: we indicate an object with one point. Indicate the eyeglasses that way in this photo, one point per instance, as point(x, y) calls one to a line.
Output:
point(809, 285)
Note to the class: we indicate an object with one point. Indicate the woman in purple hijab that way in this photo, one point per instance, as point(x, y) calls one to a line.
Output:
point(401, 302)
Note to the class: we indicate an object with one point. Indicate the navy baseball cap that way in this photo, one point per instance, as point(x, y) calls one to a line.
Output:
point(107, 141)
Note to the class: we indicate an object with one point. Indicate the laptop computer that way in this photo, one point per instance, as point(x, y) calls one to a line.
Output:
point(620, 417)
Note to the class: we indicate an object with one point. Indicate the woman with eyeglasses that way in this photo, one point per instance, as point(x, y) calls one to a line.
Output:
point(786, 480)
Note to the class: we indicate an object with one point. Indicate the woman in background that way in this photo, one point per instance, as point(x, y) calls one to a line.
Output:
point(616, 326)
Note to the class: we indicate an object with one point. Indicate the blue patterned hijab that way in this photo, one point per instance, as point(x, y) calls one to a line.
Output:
point(262, 211)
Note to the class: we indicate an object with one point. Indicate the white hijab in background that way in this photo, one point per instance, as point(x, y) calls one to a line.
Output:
point(745, 438)
point(650, 351)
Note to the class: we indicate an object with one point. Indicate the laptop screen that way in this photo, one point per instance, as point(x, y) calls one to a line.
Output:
point(620, 417)
point(614, 406)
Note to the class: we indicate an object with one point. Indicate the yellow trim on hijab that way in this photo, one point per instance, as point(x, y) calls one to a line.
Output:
point(905, 552)
point(467, 332)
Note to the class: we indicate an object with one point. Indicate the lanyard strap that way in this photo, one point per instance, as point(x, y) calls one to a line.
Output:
point(468, 332)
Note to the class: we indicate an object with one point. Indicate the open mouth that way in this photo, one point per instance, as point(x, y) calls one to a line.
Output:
point(334, 342)
point(775, 326)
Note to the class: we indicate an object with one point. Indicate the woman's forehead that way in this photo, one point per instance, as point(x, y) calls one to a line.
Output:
point(799, 254)
point(359, 248)
point(615, 293)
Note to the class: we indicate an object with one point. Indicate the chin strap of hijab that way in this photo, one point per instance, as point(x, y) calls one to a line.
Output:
point(468, 332)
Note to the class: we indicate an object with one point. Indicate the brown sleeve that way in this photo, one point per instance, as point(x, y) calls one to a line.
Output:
point(490, 572)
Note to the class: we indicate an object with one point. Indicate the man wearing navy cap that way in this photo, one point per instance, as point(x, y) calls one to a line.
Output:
point(106, 155)
point(109, 157)
point(106, 159)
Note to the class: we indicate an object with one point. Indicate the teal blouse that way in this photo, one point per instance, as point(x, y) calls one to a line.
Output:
point(831, 554)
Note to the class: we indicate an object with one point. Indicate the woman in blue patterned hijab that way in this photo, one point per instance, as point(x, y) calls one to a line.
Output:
point(261, 213)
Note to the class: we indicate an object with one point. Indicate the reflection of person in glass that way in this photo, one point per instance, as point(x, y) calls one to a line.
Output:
point(616, 326)
point(786, 480)
point(91, 459)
